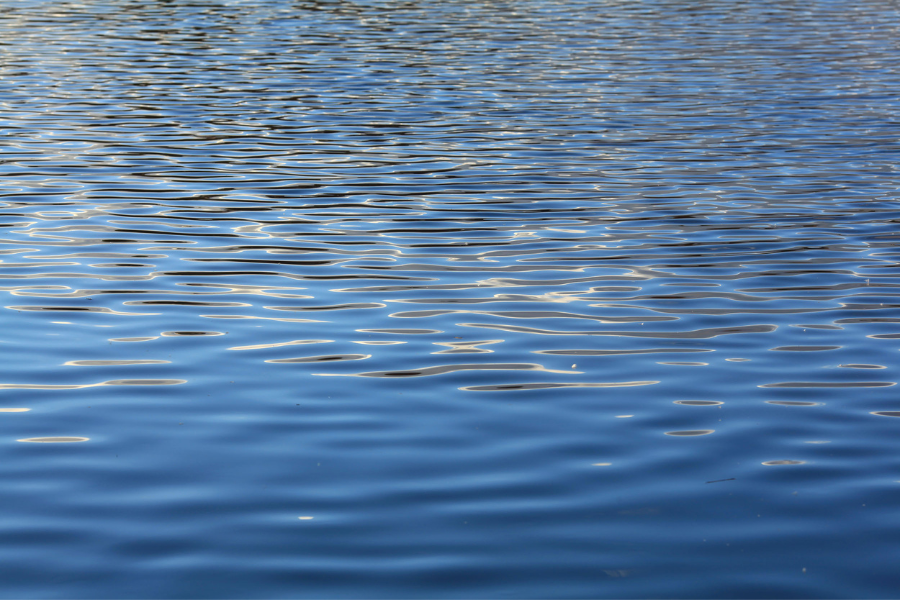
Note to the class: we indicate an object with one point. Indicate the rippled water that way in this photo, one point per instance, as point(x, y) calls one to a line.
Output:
point(449, 299)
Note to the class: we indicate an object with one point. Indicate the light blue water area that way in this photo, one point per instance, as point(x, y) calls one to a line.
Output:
point(484, 299)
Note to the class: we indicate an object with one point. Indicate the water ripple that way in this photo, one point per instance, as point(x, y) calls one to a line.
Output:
point(285, 242)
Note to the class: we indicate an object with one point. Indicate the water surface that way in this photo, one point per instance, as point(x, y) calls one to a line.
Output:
point(478, 299)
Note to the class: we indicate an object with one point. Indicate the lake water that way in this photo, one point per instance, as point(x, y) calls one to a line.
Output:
point(370, 299)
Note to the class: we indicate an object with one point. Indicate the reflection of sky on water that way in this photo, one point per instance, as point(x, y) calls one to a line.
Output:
point(268, 257)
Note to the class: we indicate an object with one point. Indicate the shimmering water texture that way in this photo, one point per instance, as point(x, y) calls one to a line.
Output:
point(400, 299)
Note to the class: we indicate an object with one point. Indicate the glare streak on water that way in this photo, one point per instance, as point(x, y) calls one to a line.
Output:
point(266, 260)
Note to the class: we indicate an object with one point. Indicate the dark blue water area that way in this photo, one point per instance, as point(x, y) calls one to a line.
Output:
point(484, 299)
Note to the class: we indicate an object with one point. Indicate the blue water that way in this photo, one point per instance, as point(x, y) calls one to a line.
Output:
point(484, 299)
